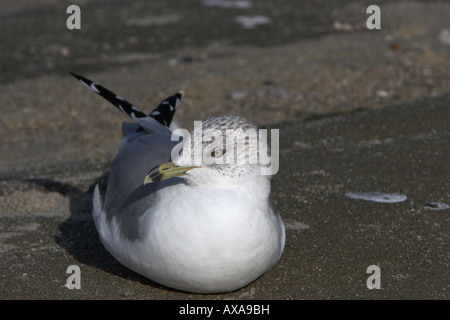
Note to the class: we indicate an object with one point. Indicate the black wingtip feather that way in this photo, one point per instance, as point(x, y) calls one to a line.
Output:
point(163, 113)
point(116, 100)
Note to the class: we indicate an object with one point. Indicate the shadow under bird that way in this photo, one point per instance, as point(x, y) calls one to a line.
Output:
point(204, 228)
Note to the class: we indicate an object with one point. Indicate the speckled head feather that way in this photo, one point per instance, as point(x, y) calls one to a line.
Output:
point(229, 145)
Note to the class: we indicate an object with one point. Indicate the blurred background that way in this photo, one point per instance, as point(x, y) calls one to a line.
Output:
point(269, 61)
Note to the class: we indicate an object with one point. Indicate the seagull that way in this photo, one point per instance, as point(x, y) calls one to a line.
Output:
point(194, 227)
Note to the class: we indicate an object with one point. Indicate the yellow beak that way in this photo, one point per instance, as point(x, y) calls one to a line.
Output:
point(165, 171)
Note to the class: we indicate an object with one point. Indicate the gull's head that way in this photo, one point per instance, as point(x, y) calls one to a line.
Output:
point(224, 148)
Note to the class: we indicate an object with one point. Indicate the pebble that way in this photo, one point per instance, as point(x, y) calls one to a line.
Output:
point(250, 22)
point(437, 206)
point(444, 36)
point(228, 4)
point(378, 197)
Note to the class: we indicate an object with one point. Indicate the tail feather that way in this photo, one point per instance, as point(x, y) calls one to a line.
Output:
point(163, 113)
point(116, 100)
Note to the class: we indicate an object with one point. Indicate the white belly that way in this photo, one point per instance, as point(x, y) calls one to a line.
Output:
point(203, 248)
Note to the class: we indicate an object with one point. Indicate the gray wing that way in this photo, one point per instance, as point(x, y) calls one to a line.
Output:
point(146, 144)
point(127, 198)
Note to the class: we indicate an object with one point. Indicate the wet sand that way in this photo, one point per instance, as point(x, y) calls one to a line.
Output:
point(358, 111)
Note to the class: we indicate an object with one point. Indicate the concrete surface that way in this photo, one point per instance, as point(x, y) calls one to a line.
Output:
point(358, 111)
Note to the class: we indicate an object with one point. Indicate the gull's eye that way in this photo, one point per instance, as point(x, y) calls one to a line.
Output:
point(217, 153)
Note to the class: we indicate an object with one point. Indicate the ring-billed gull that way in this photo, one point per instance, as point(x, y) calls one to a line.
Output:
point(205, 228)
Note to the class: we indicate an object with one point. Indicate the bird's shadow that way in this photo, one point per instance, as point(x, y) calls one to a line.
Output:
point(78, 235)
